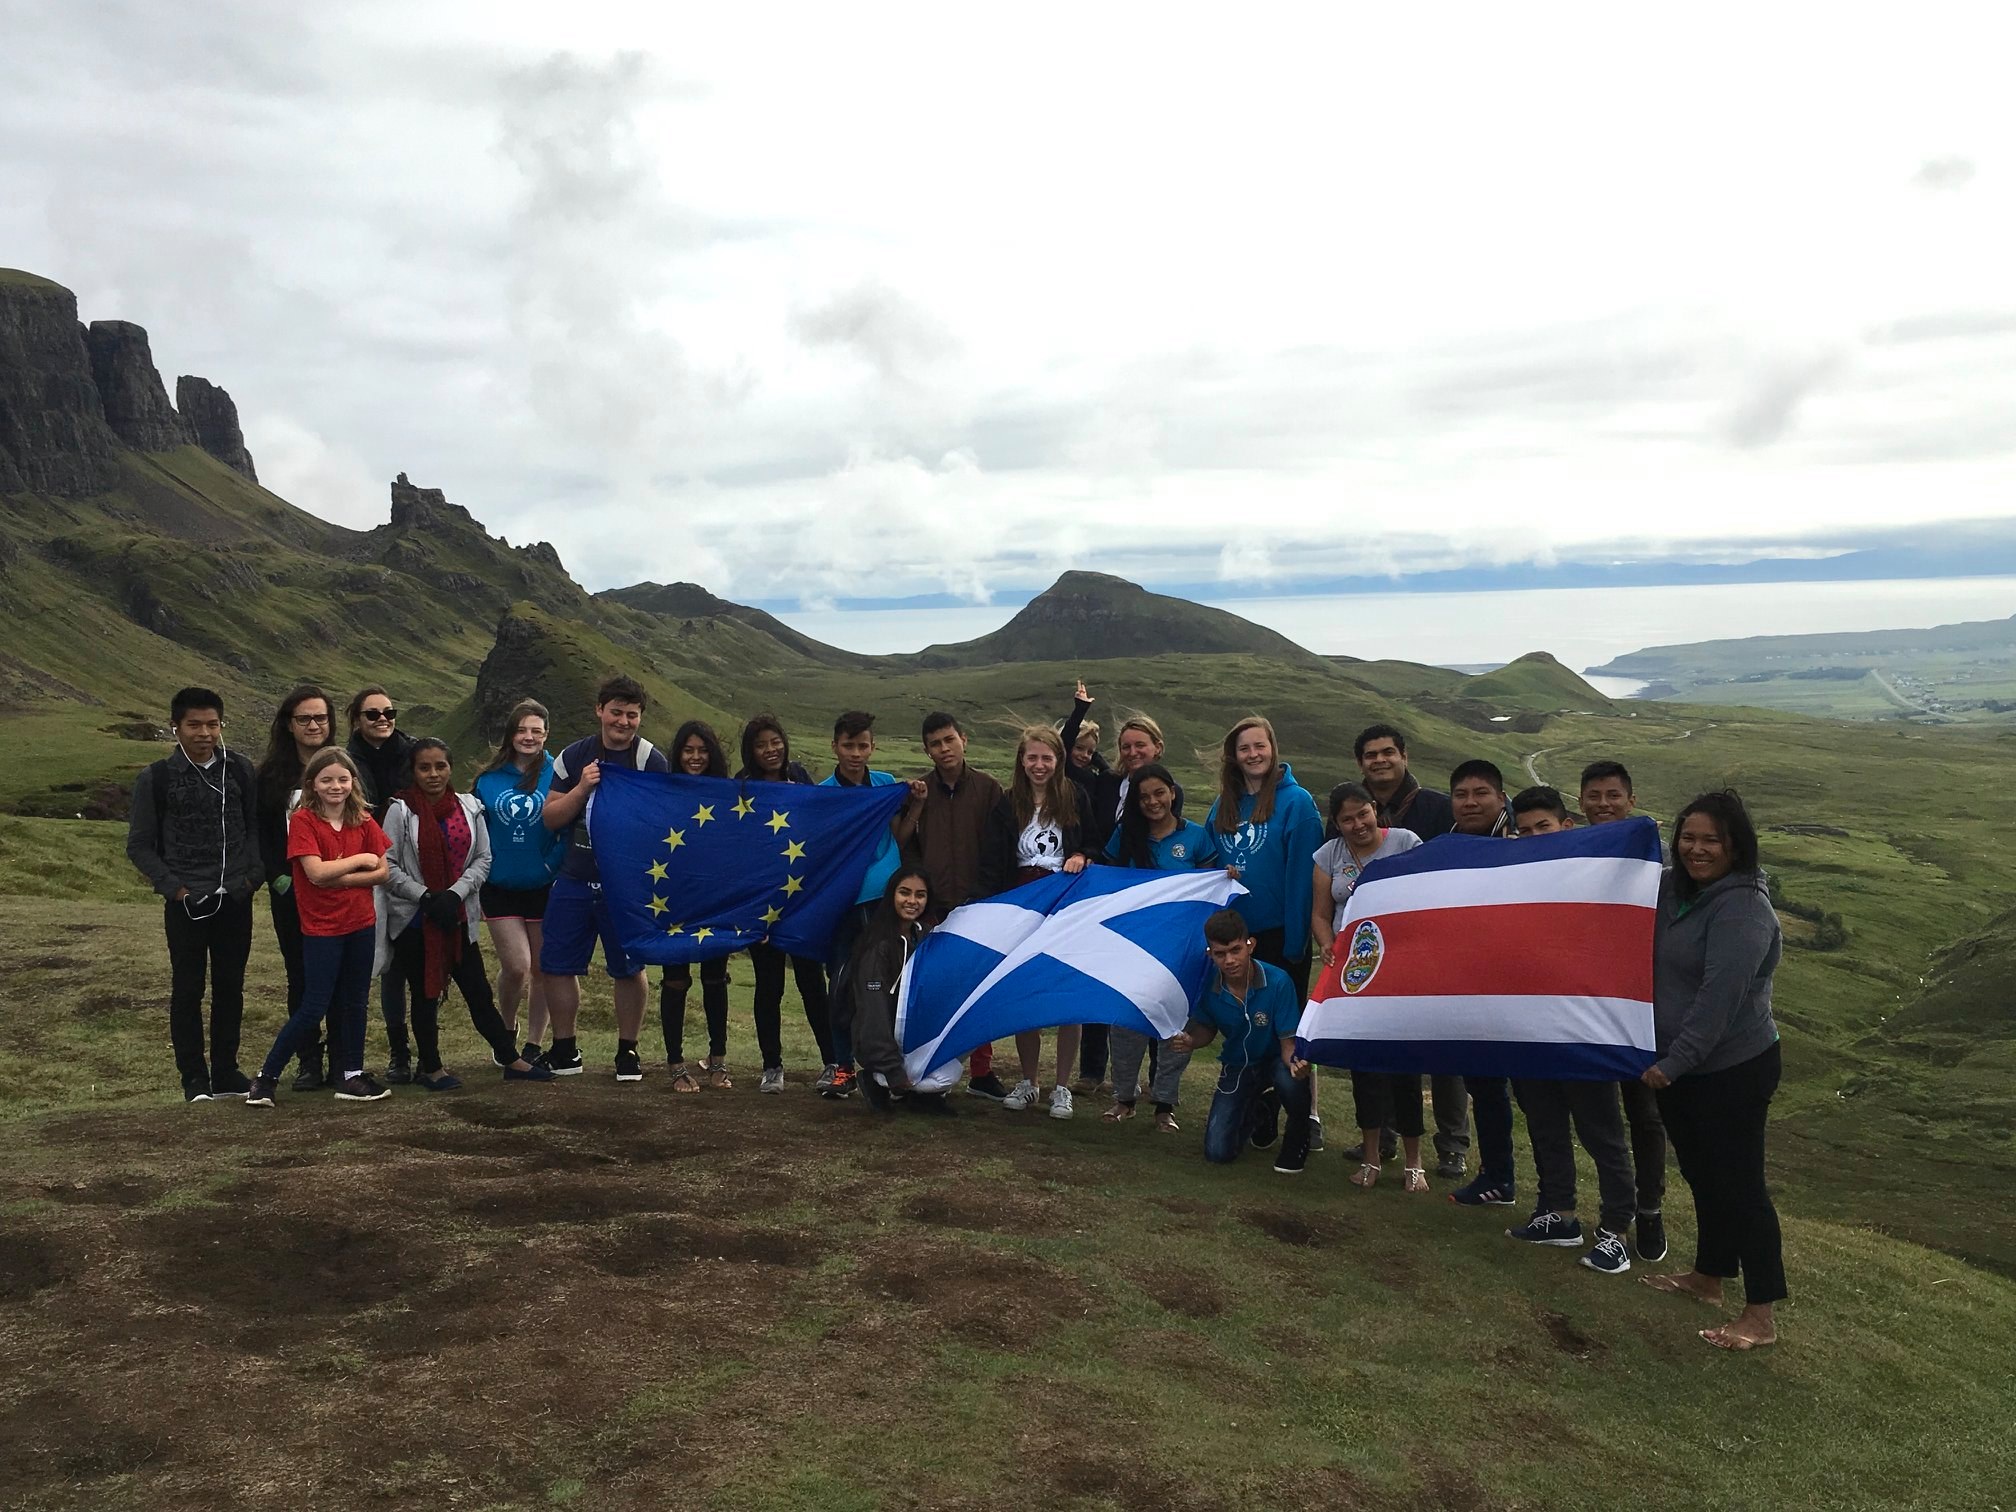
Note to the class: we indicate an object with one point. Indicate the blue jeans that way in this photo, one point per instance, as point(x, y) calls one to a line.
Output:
point(1250, 1095)
point(336, 984)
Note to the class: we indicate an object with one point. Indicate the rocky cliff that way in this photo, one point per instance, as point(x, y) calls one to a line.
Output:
point(213, 419)
point(53, 435)
point(129, 386)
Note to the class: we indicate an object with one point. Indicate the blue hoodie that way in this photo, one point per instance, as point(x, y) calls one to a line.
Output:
point(524, 854)
point(1273, 860)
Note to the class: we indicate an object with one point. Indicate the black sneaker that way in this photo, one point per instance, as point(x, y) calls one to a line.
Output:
point(629, 1066)
point(1549, 1228)
point(1484, 1191)
point(563, 1065)
point(931, 1104)
point(309, 1077)
point(1290, 1165)
point(259, 1093)
point(362, 1089)
point(196, 1087)
point(1450, 1167)
point(1609, 1255)
point(988, 1086)
point(1315, 1135)
point(399, 1070)
point(530, 1053)
point(1388, 1153)
point(1266, 1121)
point(1651, 1237)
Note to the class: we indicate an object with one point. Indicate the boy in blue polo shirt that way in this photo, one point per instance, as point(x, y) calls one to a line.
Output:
point(1255, 1006)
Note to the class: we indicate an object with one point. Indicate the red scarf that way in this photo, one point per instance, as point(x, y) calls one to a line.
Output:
point(441, 834)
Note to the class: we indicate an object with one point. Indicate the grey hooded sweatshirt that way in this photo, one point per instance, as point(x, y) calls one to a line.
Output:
point(1712, 960)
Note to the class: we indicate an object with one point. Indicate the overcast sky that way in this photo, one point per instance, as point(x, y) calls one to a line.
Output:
point(866, 300)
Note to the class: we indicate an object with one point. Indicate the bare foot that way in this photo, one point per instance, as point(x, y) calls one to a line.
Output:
point(1367, 1175)
point(1753, 1329)
point(1688, 1284)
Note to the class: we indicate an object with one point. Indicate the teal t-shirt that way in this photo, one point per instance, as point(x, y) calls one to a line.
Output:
point(1188, 847)
point(1253, 1030)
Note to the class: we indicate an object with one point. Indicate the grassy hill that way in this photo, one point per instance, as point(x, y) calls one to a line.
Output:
point(1536, 682)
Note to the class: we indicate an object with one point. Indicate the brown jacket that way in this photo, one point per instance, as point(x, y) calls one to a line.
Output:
point(951, 834)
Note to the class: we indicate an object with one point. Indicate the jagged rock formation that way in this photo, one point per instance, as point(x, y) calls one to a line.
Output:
point(415, 508)
point(53, 435)
point(213, 419)
point(129, 386)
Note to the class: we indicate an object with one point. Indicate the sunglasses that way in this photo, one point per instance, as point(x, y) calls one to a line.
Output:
point(374, 715)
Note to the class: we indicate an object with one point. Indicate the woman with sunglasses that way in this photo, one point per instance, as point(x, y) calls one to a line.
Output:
point(384, 756)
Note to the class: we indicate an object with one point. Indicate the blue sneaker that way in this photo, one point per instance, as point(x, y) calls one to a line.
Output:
point(1549, 1228)
point(1609, 1255)
point(1484, 1191)
point(440, 1081)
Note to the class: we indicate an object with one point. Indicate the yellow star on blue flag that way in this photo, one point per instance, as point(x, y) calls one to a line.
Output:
point(794, 850)
point(744, 806)
point(778, 821)
point(704, 813)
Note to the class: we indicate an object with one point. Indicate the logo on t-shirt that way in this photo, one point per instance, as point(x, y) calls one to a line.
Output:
point(1179, 852)
point(520, 809)
point(1245, 842)
point(1368, 949)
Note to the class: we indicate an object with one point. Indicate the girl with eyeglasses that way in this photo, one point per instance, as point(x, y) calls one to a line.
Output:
point(303, 724)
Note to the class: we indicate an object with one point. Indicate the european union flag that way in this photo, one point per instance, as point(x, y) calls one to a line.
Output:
point(697, 867)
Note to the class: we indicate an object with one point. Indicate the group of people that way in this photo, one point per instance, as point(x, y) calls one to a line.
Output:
point(378, 867)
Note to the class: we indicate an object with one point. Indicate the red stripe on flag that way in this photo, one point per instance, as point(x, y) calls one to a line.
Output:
point(1514, 950)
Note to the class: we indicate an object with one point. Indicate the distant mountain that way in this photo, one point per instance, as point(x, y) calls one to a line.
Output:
point(1536, 682)
point(692, 606)
point(1089, 616)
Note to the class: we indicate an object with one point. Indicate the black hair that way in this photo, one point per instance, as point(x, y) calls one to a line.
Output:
point(429, 743)
point(1377, 732)
point(1226, 926)
point(757, 725)
point(280, 767)
point(938, 720)
point(194, 698)
point(717, 761)
point(1542, 799)
point(621, 689)
point(853, 722)
point(1136, 848)
point(1477, 766)
point(1733, 819)
point(883, 925)
point(1347, 792)
point(1596, 771)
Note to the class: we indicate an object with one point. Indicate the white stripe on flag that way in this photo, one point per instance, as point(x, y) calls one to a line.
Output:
point(1550, 1021)
point(1571, 879)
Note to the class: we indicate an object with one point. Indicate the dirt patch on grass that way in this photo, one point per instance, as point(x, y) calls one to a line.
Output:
point(101, 1005)
point(524, 1205)
point(54, 1435)
point(106, 1191)
point(654, 1245)
point(1300, 1229)
point(1565, 1336)
point(1188, 1293)
point(989, 1298)
point(964, 1208)
point(274, 1265)
point(28, 1264)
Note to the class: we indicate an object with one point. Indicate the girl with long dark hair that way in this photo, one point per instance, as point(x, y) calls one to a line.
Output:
point(873, 972)
point(766, 757)
point(696, 751)
point(302, 725)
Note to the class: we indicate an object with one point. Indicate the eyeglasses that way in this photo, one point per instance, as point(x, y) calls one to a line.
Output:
point(374, 715)
point(311, 719)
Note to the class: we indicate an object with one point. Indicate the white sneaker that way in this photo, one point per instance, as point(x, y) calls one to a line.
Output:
point(1024, 1096)
point(1060, 1103)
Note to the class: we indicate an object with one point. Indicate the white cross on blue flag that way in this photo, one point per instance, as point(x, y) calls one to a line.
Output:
point(1109, 945)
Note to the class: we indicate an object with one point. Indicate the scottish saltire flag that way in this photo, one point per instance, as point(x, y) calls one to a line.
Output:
point(1481, 957)
point(1110, 945)
point(697, 867)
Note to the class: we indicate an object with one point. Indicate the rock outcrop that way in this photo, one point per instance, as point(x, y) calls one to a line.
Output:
point(129, 386)
point(53, 435)
point(415, 508)
point(213, 419)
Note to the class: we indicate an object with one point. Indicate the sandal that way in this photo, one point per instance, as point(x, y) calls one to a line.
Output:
point(1120, 1112)
point(717, 1074)
point(1165, 1123)
point(1415, 1179)
point(1367, 1175)
point(683, 1079)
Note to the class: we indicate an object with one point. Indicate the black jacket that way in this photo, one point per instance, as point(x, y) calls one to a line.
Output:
point(387, 769)
point(872, 978)
point(1422, 810)
point(196, 828)
point(998, 847)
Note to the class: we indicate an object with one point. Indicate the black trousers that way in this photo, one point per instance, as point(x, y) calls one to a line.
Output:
point(1269, 945)
point(287, 933)
point(1384, 1101)
point(209, 941)
point(1648, 1143)
point(1716, 1121)
point(1092, 1048)
point(1598, 1121)
point(810, 975)
point(678, 981)
point(1493, 1097)
point(409, 964)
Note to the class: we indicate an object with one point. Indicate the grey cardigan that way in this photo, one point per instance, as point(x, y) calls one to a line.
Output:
point(402, 890)
point(1711, 975)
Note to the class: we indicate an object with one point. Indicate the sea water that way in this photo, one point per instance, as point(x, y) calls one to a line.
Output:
point(1583, 627)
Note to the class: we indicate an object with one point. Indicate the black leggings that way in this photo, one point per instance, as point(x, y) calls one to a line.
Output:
point(409, 963)
point(1269, 945)
point(1716, 1122)
point(713, 1002)
point(811, 976)
point(1388, 1101)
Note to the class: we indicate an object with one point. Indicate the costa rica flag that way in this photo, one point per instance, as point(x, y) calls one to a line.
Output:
point(1491, 957)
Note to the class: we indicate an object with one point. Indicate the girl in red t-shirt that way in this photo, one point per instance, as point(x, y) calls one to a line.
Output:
point(338, 856)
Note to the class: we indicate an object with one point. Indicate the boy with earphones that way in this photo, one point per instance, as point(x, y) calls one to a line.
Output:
point(193, 833)
point(1257, 1009)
